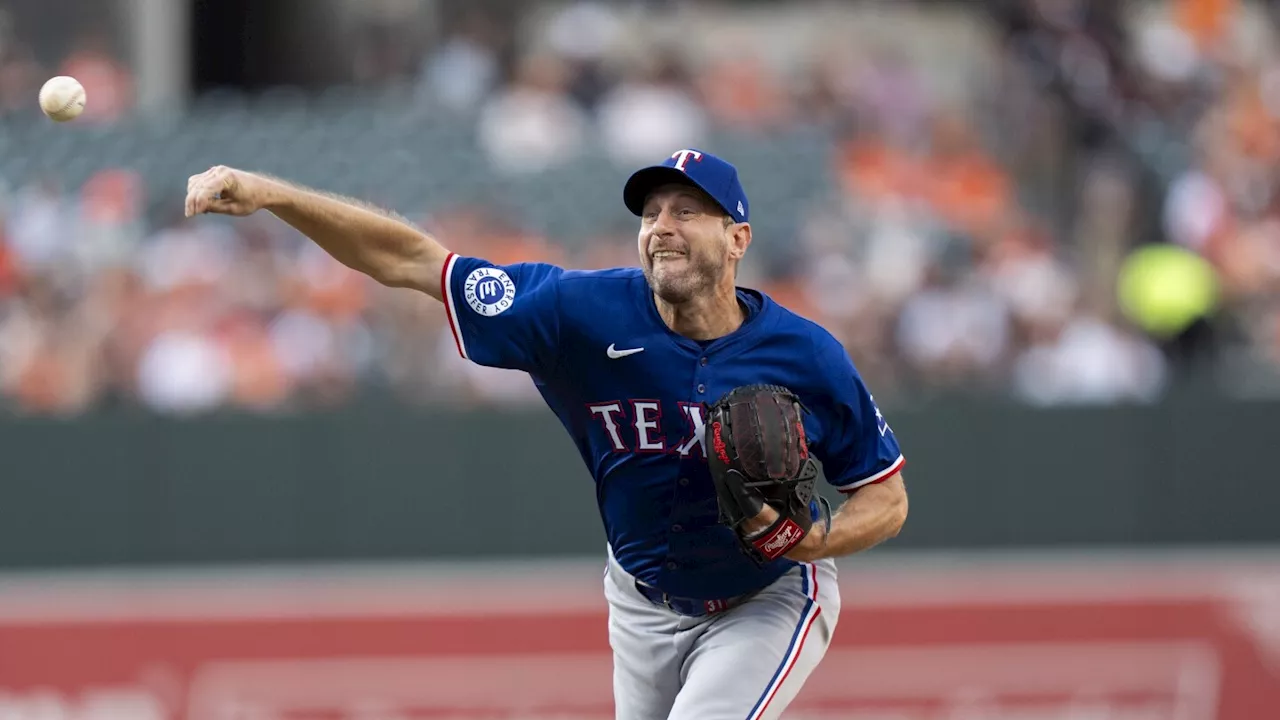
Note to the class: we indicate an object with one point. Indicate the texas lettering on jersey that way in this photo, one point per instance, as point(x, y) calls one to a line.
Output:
point(635, 426)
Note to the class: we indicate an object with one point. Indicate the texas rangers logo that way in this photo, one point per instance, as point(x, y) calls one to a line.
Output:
point(489, 291)
point(682, 158)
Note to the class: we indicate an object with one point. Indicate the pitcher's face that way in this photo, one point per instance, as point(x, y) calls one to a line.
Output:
point(685, 243)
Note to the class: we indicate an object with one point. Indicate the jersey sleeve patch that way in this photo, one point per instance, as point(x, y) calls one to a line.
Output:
point(489, 291)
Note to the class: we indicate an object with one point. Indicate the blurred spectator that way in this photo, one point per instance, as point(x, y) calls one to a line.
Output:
point(184, 371)
point(741, 91)
point(20, 77)
point(954, 332)
point(460, 73)
point(39, 228)
point(1085, 359)
point(583, 33)
point(108, 83)
point(650, 111)
point(110, 212)
point(533, 124)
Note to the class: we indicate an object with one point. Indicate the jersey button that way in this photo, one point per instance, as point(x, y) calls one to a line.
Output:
point(704, 362)
point(683, 481)
point(701, 388)
point(677, 527)
point(672, 566)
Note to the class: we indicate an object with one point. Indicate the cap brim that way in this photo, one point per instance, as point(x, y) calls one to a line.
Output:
point(644, 180)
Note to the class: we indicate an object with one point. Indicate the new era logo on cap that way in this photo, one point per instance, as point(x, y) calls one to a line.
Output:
point(714, 176)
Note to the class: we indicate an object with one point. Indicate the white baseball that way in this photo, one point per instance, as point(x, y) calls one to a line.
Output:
point(62, 98)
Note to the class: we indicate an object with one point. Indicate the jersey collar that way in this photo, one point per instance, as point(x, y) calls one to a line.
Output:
point(761, 314)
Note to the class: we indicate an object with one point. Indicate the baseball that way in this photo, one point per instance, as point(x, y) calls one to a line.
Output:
point(62, 98)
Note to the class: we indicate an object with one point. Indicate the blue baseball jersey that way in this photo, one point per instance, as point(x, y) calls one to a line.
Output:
point(633, 395)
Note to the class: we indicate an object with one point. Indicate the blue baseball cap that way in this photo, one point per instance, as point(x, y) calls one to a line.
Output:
point(703, 170)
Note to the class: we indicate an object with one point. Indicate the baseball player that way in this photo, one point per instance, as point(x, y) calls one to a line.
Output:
point(699, 408)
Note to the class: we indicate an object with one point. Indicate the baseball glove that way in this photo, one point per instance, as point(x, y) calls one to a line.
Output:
point(760, 456)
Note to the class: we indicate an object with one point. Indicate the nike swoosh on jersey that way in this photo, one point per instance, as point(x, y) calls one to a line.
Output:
point(615, 353)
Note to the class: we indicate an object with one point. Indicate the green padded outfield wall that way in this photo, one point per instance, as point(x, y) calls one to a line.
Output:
point(387, 482)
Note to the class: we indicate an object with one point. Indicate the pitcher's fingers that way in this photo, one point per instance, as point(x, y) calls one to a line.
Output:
point(201, 203)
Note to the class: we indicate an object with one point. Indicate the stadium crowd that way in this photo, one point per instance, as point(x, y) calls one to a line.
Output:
point(964, 248)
